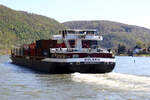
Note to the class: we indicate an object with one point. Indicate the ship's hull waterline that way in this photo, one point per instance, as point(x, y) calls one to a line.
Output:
point(64, 67)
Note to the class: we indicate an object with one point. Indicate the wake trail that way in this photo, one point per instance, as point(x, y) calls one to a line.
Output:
point(115, 81)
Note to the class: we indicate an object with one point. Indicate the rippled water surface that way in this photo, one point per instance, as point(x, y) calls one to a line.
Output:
point(130, 80)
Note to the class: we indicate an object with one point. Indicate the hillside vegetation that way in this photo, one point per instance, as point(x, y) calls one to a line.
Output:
point(18, 27)
point(114, 33)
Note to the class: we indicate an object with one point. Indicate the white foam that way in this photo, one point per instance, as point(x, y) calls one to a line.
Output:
point(115, 81)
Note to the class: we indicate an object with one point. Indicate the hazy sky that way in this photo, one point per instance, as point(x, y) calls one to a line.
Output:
point(135, 12)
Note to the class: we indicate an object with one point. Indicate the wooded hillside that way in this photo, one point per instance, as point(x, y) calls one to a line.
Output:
point(18, 27)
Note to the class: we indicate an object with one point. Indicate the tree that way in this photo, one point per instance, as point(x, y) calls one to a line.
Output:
point(140, 44)
point(121, 49)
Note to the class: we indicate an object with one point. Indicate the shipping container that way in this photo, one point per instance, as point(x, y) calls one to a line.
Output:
point(32, 49)
point(32, 52)
point(21, 51)
point(32, 46)
point(25, 52)
point(45, 44)
point(39, 43)
point(38, 52)
point(26, 47)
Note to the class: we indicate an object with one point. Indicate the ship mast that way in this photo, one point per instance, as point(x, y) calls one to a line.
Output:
point(64, 33)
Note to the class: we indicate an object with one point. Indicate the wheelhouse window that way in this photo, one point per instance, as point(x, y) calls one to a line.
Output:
point(89, 44)
point(72, 43)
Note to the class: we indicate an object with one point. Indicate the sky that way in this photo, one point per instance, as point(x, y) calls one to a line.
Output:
point(134, 12)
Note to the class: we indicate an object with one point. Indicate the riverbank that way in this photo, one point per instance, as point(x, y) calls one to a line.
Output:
point(143, 55)
point(136, 55)
point(5, 52)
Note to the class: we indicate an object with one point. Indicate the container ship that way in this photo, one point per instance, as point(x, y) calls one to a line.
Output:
point(72, 50)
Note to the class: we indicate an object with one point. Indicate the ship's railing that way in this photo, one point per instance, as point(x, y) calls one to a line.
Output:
point(74, 50)
point(75, 36)
point(78, 31)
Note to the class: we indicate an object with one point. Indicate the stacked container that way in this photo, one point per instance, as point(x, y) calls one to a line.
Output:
point(43, 46)
point(25, 50)
point(46, 44)
point(32, 48)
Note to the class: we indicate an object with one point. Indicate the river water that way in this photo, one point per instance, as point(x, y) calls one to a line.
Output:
point(130, 80)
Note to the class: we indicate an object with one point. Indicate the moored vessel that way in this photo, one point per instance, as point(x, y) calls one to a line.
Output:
point(72, 50)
